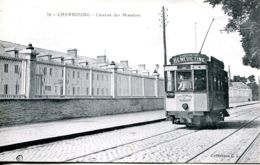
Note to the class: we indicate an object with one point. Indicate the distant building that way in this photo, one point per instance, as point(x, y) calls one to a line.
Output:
point(239, 92)
point(28, 72)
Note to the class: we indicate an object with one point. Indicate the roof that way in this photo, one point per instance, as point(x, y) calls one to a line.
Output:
point(91, 61)
point(240, 85)
point(6, 44)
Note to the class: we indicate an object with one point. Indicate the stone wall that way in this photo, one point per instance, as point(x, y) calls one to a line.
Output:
point(13, 112)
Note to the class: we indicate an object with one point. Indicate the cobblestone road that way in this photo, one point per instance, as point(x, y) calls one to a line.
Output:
point(235, 140)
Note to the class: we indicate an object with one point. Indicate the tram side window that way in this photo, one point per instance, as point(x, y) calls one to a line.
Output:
point(217, 82)
point(200, 80)
point(184, 81)
point(170, 81)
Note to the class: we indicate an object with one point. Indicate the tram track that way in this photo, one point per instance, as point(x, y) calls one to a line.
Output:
point(229, 135)
point(247, 149)
point(129, 143)
point(235, 111)
point(91, 157)
point(133, 142)
point(241, 127)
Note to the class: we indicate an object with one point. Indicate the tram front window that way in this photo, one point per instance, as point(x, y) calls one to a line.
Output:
point(200, 80)
point(184, 81)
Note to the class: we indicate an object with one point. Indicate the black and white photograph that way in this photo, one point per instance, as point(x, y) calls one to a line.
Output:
point(130, 81)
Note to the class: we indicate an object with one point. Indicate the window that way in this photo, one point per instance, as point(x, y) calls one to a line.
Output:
point(44, 70)
point(68, 74)
point(16, 70)
point(97, 91)
point(16, 89)
point(5, 89)
point(102, 77)
point(50, 71)
point(6, 68)
point(73, 74)
point(56, 72)
point(78, 74)
point(62, 74)
point(87, 76)
point(184, 81)
point(56, 90)
point(170, 81)
point(217, 83)
point(73, 90)
point(87, 92)
point(97, 76)
point(200, 80)
point(61, 90)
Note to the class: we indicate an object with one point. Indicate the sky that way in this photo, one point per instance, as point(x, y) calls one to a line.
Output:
point(105, 27)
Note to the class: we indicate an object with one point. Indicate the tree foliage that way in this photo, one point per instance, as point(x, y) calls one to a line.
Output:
point(244, 18)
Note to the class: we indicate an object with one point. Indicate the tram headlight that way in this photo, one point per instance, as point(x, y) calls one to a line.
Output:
point(185, 106)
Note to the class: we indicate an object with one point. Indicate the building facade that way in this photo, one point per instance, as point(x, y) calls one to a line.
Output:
point(28, 72)
point(239, 92)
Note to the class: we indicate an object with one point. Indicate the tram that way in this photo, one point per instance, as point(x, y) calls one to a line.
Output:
point(196, 90)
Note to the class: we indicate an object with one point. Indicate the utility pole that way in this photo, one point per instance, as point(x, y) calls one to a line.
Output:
point(164, 35)
point(164, 24)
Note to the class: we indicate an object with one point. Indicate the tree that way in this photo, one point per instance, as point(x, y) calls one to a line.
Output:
point(239, 79)
point(244, 18)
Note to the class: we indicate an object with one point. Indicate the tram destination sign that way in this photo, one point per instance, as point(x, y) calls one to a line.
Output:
point(189, 57)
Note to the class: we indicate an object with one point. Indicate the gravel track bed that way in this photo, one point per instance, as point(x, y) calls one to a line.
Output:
point(72, 148)
point(252, 154)
point(129, 149)
point(187, 147)
point(231, 149)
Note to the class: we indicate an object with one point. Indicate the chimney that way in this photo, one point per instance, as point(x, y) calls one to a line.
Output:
point(72, 53)
point(141, 66)
point(101, 59)
point(124, 63)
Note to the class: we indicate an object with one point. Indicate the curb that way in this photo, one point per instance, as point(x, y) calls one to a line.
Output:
point(71, 136)
point(243, 105)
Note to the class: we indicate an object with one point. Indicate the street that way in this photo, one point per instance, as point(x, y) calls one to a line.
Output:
point(236, 140)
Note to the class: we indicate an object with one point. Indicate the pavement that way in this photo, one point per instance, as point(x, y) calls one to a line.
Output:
point(14, 137)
